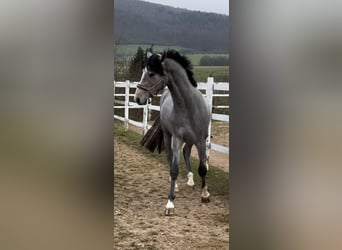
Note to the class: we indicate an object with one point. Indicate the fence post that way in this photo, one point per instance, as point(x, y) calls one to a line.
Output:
point(126, 104)
point(209, 96)
point(145, 117)
point(113, 99)
point(114, 90)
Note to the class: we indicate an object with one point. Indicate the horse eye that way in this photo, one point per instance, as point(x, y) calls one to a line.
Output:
point(150, 74)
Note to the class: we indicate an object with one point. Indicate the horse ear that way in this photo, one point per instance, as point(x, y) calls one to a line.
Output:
point(163, 65)
point(149, 54)
point(161, 57)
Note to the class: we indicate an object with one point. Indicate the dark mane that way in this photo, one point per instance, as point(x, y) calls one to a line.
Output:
point(154, 64)
point(184, 62)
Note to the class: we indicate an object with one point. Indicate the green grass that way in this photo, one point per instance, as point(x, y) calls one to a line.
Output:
point(220, 73)
point(216, 178)
point(131, 49)
point(196, 57)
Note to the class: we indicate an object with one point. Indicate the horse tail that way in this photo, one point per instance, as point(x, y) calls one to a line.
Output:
point(154, 137)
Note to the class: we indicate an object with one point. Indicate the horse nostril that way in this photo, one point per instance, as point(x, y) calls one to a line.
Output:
point(137, 100)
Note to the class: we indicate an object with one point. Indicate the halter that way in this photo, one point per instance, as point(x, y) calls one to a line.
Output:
point(153, 90)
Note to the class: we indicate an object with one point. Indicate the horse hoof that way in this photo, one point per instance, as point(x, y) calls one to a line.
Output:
point(169, 211)
point(205, 199)
point(190, 184)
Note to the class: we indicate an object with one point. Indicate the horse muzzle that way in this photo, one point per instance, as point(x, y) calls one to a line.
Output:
point(140, 97)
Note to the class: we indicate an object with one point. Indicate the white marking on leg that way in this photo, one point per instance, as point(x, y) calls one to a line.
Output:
point(176, 185)
point(207, 164)
point(190, 179)
point(170, 204)
point(205, 193)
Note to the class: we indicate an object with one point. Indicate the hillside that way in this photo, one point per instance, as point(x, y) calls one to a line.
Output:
point(139, 22)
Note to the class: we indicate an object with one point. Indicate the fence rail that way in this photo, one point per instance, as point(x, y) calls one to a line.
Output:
point(210, 86)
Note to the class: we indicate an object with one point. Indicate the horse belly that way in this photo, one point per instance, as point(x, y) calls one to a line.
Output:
point(189, 138)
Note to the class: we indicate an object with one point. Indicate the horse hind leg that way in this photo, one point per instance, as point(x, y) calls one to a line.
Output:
point(186, 154)
point(202, 171)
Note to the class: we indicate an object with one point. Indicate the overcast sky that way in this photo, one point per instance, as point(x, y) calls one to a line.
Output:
point(216, 6)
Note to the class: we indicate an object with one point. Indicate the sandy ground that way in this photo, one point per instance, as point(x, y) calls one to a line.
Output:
point(219, 135)
point(141, 188)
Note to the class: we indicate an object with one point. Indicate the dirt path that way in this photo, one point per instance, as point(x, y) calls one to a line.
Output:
point(141, 187)
point(220, 134)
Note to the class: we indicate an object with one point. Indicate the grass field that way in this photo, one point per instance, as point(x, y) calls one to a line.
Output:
point(195, 58)
point(131, 49)
point(220, 73)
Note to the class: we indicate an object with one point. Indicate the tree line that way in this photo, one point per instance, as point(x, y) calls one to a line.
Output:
point(139, 22)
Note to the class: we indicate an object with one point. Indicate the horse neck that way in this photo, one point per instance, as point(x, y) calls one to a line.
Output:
point(180, 87)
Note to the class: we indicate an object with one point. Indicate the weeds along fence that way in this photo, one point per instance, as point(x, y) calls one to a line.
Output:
point(127, 111)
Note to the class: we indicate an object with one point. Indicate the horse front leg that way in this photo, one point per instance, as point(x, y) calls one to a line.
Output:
point(202, 170)
point(168, 150)
point(176, 146)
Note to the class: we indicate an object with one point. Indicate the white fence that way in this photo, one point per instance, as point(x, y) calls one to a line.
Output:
point(209, 88)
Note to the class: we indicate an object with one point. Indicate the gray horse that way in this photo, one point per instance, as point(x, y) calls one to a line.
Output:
point(184, 115)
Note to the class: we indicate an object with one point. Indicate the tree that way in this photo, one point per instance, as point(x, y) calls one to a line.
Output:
point(136, 64)
point(121, 64)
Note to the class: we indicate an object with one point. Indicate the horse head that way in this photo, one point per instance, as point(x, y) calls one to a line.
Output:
point(153, 79)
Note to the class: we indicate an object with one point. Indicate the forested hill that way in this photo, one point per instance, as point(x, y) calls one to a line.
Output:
point(139, 22)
